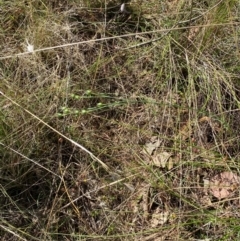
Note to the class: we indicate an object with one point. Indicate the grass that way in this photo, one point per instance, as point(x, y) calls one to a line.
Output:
point(112, 127)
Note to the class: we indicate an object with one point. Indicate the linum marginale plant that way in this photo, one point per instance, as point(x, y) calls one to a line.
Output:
point(110, 102)
point(119, 120)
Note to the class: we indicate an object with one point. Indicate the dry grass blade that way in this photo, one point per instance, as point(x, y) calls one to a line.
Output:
point(98, 189)
point(25, 157)
point(59, 133)
point(121, 36)
point(150, 90)
point(14, 234)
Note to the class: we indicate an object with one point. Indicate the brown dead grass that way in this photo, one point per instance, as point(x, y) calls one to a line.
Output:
point(118, 97)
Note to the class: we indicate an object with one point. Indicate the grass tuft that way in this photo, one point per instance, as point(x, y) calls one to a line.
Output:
point(114, 123)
